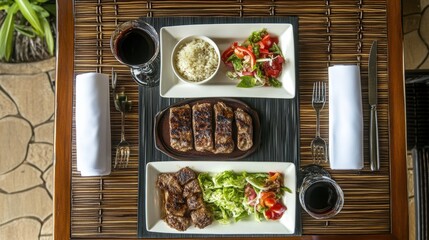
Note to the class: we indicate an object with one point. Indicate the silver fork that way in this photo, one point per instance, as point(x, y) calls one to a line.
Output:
point(123, 149)
point(319, 149)
point(122, 155)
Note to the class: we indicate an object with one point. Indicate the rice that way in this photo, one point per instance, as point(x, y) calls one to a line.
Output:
point(196, 60)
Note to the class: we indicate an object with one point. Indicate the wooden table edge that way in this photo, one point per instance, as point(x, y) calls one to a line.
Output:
point(64, 114)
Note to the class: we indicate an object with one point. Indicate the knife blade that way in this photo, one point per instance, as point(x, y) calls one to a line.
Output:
point(372, 100)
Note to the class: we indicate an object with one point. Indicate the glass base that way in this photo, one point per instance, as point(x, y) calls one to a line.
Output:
point(314, 169)
point(147, 76)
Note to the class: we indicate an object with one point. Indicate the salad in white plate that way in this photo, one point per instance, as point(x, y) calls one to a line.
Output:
point(258, 61)
point(235, 196)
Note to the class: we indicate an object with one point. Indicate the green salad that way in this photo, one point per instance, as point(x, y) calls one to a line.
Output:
point(233, 196)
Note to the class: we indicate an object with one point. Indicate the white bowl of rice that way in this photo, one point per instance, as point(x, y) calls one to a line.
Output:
point(195, 59)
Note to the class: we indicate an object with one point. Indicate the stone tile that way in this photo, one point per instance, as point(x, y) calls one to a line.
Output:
point(48, 176)
point(22, 178)
point(46, 237)
point(411, 23)
point(410, 7)
point(412, 219)
point(424, 4)
point(21, 229)
point(33, 203)
point(44, 133)
point(27, 68)
point(47, 227)
point(52, 76)
point(424, 25)
point(410, 183)
point(7, 107)
point(41, 155)
point(409, 160)
point(14, 138)
point(32, 94)
point(415, 50)
point(425, 64)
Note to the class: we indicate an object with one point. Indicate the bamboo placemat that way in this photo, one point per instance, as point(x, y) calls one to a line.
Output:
point(330, 32)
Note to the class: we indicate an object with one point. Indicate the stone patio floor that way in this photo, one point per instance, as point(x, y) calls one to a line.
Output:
point(26, 150)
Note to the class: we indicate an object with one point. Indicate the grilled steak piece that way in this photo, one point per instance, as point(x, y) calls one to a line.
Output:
point(244, 129)
point(176, 222)
point(191, 188)
point(181, 128)
point(175, 204)
point(223, 131)
point(184, 175)
point(169, 182)
point(201, 217)
point(202, 126)
point(195, 201)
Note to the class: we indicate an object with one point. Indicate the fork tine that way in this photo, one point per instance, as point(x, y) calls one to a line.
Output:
point(127, 157)
point(122, 157)
point(323, 92)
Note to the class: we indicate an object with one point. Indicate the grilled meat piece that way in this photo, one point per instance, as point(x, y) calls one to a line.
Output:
point(176, 222)
point(244, 129)
point(175, 204)
point(169, 182)
point(202, 126)
point(185, 175)
point(195, 201)
point(191, 188)
point(223, 131)
point(181, 128)
point(201, 217)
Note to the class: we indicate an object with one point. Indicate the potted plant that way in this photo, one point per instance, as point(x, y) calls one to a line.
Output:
point(27, 30)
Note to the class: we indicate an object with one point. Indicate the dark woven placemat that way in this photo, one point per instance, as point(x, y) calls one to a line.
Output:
point(279, 121)
point(330, 32)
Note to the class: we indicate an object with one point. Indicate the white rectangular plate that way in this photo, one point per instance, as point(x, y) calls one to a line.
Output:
point(286, 225)
point(220, 86)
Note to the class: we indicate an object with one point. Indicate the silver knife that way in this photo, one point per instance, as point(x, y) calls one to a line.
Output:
point(372, 99)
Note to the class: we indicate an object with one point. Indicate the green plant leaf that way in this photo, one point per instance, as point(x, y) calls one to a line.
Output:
point(6, 33)
point(5, 4)
point(51, 8)
point(41, 11)
point(38, 1)
point(48, 36)
point(28, 12)
point(25, 30)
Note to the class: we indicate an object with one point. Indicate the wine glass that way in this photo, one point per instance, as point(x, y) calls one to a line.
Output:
point(136, 44)
point(320, 196)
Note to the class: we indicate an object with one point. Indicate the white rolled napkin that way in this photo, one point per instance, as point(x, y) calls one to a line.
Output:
point(93, 138)
point(345, 118)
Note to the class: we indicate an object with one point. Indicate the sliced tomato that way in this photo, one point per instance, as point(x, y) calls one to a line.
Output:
point(273, 68)
point(266, 41)
point(226, 54)
point(265, 196)
point(275, 212)
point(269, 202)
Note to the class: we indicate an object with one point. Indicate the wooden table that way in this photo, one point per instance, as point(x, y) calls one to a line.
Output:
point(84, 28)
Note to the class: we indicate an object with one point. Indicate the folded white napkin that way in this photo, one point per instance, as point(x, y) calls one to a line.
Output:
point(345, 117)
point(93, 140)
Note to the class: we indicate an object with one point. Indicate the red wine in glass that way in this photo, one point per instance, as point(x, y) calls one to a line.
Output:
point(320, 196)
point(136, 44)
